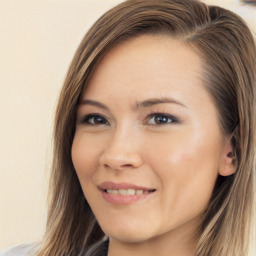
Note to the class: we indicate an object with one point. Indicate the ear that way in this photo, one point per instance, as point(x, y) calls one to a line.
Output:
point(228, 161)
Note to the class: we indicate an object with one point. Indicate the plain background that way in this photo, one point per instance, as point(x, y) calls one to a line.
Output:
point(37, 42)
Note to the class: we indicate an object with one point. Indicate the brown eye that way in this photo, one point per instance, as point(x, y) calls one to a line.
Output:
point(95, 120)
point(161, 119)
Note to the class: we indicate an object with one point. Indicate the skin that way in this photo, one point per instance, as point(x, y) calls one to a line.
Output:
point(180, 153)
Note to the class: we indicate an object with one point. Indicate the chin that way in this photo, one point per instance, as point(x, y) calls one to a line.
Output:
point(129, 233)
point(129, 237)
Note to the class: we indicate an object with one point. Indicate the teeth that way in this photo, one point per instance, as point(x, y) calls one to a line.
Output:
point(123, 192)
point(114, 192)
point(140, 192)
point(126, 192)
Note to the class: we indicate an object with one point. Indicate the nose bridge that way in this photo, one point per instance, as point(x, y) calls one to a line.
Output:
point(123, 148)
point(123, 134)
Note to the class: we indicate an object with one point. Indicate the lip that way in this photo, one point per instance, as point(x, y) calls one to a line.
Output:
point(123, 199)
point(122, 185)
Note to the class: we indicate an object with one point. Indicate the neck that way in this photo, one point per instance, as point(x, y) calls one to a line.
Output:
point(181, 241)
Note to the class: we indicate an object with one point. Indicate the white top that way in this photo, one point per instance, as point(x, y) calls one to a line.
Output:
point(21, 250)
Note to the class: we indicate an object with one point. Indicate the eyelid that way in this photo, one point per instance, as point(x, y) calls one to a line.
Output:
point(85, 118)
point(174, 119)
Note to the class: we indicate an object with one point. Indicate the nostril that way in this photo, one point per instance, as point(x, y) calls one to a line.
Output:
point(118, 167)
point(127, 165)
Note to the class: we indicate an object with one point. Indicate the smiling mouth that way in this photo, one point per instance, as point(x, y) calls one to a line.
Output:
point(128, 192)
point(124, 193)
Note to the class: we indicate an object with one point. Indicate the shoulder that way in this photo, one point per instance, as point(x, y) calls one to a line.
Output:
point(21, 250)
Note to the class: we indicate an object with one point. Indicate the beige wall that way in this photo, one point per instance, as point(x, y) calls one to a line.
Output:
point(38, 39)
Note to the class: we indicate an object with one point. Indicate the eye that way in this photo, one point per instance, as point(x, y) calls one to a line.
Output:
point(161, 119)
point(94, 119)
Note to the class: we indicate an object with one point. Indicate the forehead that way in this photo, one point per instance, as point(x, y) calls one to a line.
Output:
point(148, 65)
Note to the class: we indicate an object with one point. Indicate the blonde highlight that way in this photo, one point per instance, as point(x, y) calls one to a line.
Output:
point(228, 50)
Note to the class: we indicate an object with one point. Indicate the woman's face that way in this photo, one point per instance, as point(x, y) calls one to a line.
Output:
point(148, 147)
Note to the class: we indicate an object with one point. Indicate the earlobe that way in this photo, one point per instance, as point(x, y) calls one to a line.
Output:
point(228, 162)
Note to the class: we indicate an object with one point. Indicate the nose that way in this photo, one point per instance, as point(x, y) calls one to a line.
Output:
point(122, 151)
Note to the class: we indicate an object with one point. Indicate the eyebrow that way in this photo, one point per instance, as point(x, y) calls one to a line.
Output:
point(138, 105)
point(93, 103)
point(155, 101)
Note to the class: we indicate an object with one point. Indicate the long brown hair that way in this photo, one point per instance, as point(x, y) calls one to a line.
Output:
point(227, 47)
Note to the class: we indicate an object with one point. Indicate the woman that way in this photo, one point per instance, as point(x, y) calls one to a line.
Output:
point(155, 135)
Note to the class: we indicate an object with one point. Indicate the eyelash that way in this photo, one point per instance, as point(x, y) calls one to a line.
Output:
point(173, 119)
point(85, 120)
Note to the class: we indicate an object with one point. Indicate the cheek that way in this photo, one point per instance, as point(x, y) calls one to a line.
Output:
point(193, 148)
point(84, 157)
point(188, 168)
point(185, 151)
